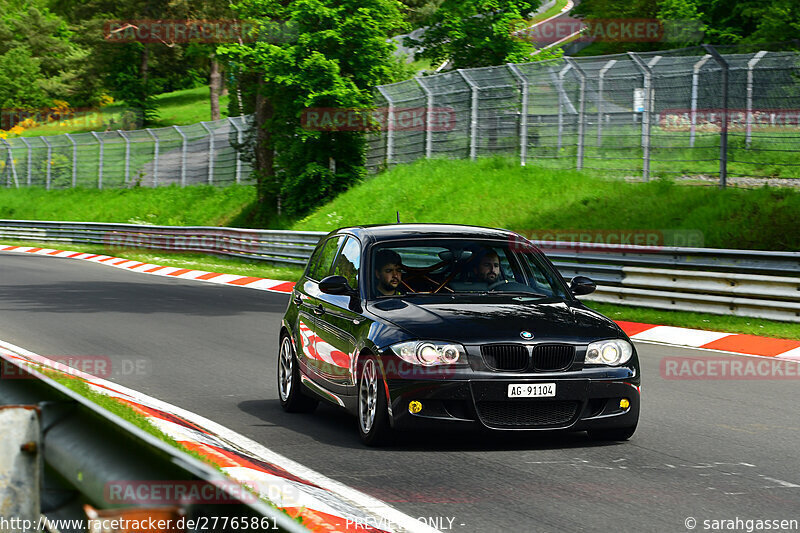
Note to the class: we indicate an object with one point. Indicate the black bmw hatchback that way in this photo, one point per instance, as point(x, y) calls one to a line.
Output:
point(433, 326)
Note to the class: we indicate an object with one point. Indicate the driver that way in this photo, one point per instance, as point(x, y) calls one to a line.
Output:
point(387, 272)
point(487, 268)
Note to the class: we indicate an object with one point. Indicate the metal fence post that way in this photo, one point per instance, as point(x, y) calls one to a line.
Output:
point(600, 83)
point(155, 156)
point(723, 134)
point(651, 94)
point(30, 160)
point(561, 102)
point(49, 161)
point(74, 160)
point(473, 116)
point(238, 153)
point(581, 110)
point(695, 81)
point(428, 117)
point(210, 153)
point(100, 163)
point(523, 121)
point(183, 157)
point(389, 127)
point(11, 163)
point(648, 86)
point(127, 156)
point(750, 66)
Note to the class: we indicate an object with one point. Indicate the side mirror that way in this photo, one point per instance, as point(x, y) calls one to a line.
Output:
point(581, 285)
point(337, 285)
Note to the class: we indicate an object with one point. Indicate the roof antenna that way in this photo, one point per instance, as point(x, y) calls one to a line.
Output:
point(398, 217)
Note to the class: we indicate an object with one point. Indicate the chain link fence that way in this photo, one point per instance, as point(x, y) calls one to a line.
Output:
point(204, 153)
point(699, 111)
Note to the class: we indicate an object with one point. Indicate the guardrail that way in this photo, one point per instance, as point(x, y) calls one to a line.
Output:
point(752, 283)
point(86, 447)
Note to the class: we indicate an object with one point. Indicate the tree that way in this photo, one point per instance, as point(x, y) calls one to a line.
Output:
point(311, 54)
point(476, 33)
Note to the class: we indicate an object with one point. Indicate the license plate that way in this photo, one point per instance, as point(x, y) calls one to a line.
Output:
point(532, 390)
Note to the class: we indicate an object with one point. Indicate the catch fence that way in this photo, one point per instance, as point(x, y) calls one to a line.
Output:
point(688, 112)
point(203, 153)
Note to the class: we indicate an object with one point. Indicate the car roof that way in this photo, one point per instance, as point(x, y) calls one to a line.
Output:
point(390, 232)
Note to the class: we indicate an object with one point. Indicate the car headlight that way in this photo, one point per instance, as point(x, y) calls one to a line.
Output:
point(430, 353)
point(611, 352)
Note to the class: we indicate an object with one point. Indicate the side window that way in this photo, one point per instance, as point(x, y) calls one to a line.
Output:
point(312, 262)
point(323, 266)
point(349, 261)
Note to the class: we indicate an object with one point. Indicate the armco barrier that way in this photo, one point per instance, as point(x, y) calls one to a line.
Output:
point(753, 283)
point(86, 448)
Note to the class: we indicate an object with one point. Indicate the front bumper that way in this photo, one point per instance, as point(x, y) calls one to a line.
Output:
point(584, 400)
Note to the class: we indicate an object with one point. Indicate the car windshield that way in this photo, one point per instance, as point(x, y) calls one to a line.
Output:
point(461, 267)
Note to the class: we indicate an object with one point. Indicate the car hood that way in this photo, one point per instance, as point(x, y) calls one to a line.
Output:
point(500, 320)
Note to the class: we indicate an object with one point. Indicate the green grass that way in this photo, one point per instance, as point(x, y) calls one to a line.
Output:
point(198, 205)
point(499, 193)
point(178, 108)
point(555, 10)
point(189, 106)
point(725, 323)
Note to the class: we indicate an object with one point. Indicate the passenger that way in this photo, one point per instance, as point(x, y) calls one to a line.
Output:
point(388, 267)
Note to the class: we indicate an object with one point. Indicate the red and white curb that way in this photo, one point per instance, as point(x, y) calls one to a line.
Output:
point(325, 505)
point(691, 338)
point(250, 282)
point(736, 343)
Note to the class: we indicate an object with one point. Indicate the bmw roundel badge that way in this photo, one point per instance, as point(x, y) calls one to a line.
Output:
point(526, 335)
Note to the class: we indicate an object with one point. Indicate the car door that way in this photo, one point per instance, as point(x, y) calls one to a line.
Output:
point(337, 325)
point(306, 298)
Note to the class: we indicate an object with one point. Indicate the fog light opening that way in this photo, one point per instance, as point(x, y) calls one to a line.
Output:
point(624, 403)
point(414, 407)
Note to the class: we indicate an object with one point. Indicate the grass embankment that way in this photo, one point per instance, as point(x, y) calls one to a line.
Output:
point(500, 193)
point(492, 192)
point(178, 108)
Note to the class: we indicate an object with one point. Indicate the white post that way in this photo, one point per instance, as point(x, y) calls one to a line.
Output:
point(155, 156)
point(523, 121)
point(74, 160)
point(600, 82)
point(650, 92)
point(49, 161)
point(750, 66)
point(389, 126)
point(648, 85)
point(210, 152)
point(30, 160)
point(581, 111)
point(561, 98)
point(238, 153)
point(100, 164)
point(127, 156)
point(11, 163)
point(183, 157)
point(473, 116)
point(695, 81)
point(428, 117)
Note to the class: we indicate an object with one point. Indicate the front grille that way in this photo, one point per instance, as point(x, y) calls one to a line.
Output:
point(509, 357)
point(529, 414)
point(550, 357)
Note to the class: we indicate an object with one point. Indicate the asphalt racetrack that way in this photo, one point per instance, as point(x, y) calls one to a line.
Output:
point(705, 449)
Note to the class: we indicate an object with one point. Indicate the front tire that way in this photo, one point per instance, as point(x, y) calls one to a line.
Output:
point(373, 415)
point(289, 389)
